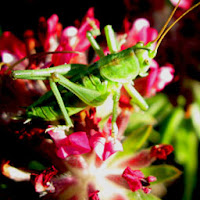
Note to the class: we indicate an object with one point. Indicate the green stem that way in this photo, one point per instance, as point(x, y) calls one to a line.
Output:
point(111, 39)
point(60, 102)
point(94, 44)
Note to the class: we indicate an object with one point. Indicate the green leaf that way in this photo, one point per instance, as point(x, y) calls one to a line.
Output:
point(3, 186)
point(159, 107)
point(139, 119)
point(181, 142)
point(191, 166)
point(186, 154)
point(170, 128)
point(163, 172)
point(135, 140)
point(195, 87)
point(195, 117)
point(35, 165)
point(140, 195)
point(154, 137)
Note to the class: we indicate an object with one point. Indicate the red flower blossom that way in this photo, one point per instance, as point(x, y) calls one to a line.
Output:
point(161, 151)
point(42, 181)
point(136, 180)
point(94, 195)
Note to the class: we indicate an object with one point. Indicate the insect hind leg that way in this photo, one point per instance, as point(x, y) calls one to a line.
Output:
point(53, 79)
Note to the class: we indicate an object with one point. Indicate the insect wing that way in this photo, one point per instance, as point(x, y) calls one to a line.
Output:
point(49, 110)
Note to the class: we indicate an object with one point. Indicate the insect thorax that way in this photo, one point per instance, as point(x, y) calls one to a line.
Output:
point(120, 67)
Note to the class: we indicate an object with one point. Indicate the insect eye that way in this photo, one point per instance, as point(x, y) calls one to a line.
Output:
point(140, 44)
point(146, 62)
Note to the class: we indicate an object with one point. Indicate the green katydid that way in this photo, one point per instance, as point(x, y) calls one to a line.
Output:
point(94, 83)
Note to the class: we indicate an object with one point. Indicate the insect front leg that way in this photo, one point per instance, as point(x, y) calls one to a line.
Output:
point(135, 95)
point(53, 79)
point(116, 96)
point(94, 44)
point(111, 39)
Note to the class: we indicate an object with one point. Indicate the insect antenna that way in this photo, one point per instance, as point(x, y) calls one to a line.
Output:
point(166, 23)
point(37, 55)
point(171, 26)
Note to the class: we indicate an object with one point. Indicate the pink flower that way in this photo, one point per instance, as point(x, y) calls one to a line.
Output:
point(139, 32)
point(185, 4)
point(74, 39)
point(101, 142)
point(164, 76)
point(156, 80)
point(104, 147)
point(94, 195)
point(42, 181)
point(74, 144)
point(136, 180)
point(104, 144)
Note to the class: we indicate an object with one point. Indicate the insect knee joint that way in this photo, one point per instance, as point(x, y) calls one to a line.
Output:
point(54, 77)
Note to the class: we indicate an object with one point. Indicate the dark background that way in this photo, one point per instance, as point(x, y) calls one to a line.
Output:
point(18, 16)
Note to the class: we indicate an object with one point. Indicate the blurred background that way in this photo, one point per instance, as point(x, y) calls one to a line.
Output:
point(181, 47)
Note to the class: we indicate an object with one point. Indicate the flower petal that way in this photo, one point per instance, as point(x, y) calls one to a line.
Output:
point(111, 147)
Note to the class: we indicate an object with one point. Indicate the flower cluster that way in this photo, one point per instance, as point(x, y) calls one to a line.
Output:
point(136, 180)
point(97, 165)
